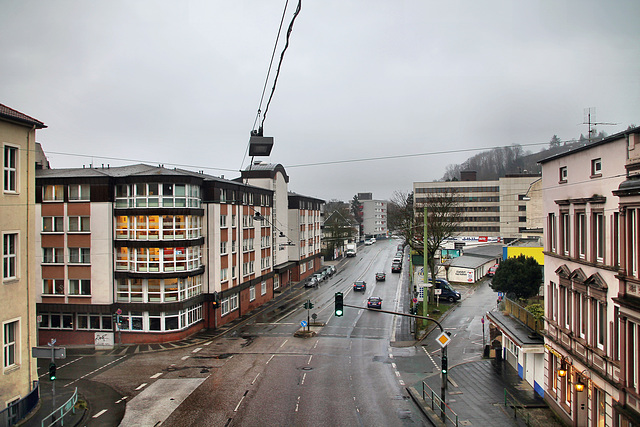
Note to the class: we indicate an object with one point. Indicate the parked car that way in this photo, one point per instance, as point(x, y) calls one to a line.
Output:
point(359, 285)
point(381, 277)
point(446, 291)
point(492, 270)
point(368, 242)
point(397, 260)
point(374, 302)
point(373, 240)
point(332, 268)
point(396, 267)
point(312, 282)
point(319, 277)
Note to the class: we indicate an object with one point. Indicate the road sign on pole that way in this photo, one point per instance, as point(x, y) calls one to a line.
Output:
point(45, 352)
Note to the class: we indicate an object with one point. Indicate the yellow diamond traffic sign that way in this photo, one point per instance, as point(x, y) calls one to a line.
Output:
point(443, 339)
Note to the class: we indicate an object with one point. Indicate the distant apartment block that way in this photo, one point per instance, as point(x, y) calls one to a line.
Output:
point(374, 216)
point(489, 208)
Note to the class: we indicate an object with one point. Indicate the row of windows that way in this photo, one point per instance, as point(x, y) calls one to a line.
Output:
point(486, 229)
point(158, 290)
point(481, 219)
point(489, 189)
point(227, 195)
point(75, 255)
point(75, 192)
point(476, 209)
point(158, 227)
point(158, 259)
point(580, 235)
point(75, 224)
point(155, 195)
point(596, 170)
point(75, 287)
point(129, 321)
point(459, 199)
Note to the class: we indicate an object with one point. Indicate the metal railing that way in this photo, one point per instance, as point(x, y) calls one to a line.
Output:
point(18, 410)
point(446, 413)
point(57, 416)
point(519, 410)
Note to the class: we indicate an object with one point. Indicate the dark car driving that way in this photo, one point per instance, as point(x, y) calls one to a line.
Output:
point(374, 302)
point(359, 285)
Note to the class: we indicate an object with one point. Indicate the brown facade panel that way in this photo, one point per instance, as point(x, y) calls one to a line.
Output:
point(52, 209)
point(79, 272)
point(79, 208)
point(79, 300)
point(79, 240)
point(53, 271)
point(53, 240)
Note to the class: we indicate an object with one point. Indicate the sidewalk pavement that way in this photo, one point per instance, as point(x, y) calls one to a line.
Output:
point(476, 394)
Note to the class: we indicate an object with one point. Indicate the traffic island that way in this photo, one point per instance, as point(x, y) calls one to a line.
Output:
point(310, 331)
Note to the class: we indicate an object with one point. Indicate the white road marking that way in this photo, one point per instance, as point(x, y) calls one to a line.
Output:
point(94, 371)
point(238, 405)
point(285, 341)
point(297, 403)
point(207, 343)
point(195, 350)
point(141, 386)
point(272, 356)
point(254, 380)
point(99, 413)
point(316, 344)
point(303, 377)
point(309, 361)
point(156, 375)
point(393, 365)
point(184, 357)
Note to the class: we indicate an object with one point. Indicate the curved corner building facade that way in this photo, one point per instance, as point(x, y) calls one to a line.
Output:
point(144, 254)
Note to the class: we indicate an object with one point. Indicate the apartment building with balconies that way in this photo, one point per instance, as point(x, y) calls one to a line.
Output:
point(161, 252)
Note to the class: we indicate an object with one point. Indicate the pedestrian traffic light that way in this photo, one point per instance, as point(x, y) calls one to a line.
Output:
point(52, 371)
point(339, 308)
point(306, 305)
point(444, 364)
point(310, 305)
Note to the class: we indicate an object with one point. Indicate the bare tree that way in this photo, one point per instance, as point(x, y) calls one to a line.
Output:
point(339, 226)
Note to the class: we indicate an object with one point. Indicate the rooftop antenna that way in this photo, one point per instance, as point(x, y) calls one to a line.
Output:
point(590, 119)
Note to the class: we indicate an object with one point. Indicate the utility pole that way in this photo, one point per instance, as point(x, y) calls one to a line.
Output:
point(425, 276)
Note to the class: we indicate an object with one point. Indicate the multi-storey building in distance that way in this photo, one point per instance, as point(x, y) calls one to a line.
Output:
point(591, 202)
point(374, 216)
point(167, 251)
point(17, 292)
point(489, 208)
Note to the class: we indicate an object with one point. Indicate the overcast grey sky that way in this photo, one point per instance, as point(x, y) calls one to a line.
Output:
point(179, 82)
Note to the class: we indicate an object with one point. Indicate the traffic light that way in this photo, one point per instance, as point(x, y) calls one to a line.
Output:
point(310, 305)
point(52, 371)
point(214, 304)
point(339, 308)
point(444, 365)
point(306, 305)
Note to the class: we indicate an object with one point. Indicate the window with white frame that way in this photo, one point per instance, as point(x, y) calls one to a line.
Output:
point(79, 224)
point(9, 255)
point(601, 324)
point(80, 287)
point(581, 234)
point(553, 300)
point(234, 220)
point(565, 233)
point(563, 174)
point(224, 274)
point(10, 168)
point(53, 286)
point(252, 293)
point(233, 302)
point(263, 288)
point(94, 322)
point(52, 224)
point(596, 167)
point(553, 233)
point(599, 235)
point(234, 246)
point(276, 281)
point(632, 244)
point(223, 221)
point(223, 247)
point(10, 343)
point(224, 307)
point(53, 255)
point(56, 321)
point(79, 192)
point(53, 193)
point(80, 255)
point(566, 305)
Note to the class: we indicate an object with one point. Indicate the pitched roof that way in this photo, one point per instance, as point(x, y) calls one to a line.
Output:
point(10, 114)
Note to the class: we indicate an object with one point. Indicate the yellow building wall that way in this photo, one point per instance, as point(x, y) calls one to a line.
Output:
point(536, 253)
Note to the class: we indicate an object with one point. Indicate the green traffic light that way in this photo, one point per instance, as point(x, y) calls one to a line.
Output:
point(52, 371)
point(338, 313)
point(339, 304)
